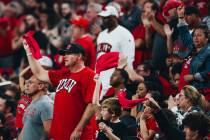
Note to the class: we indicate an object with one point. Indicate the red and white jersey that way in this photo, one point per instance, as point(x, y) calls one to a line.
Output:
point(118, 40)
point(73, 93)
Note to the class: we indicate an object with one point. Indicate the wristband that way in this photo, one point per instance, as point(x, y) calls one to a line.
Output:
point(29, 54)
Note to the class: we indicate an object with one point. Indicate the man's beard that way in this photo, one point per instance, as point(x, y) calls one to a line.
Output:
point(67, 17)
point(30, 28)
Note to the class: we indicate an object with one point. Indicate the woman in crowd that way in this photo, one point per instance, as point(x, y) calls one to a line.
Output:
point(197, 52)
point(190, 100)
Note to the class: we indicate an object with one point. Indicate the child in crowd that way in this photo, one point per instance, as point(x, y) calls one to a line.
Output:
point(110, 127)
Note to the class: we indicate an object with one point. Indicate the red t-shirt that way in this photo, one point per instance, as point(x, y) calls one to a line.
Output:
point(6, 43)
point(185, 71)
point(90, 51)
point(152, 125)
point(167, 87)
point(6, 38)
point(74, 92)
point(23, 103)
point(140, 54)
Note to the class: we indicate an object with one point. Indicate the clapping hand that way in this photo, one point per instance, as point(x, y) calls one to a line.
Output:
point(122, 62)
point(168, 31)
point(180, 11)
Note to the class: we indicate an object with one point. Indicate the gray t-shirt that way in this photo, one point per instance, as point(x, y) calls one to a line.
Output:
point(38, 111)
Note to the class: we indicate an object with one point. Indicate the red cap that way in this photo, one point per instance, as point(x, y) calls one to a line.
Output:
point(170, 5)
point(4, 23)
point(82, 22)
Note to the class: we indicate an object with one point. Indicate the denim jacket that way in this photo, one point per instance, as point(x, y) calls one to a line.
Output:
point(200, 63)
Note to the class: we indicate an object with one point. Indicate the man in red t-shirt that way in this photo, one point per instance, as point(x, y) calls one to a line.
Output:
point(73, 108)
point(80, 36)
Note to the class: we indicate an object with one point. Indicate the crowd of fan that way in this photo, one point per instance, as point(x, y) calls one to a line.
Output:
point(172, 60)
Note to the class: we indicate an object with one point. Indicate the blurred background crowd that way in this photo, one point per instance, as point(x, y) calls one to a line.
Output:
point(171, 50)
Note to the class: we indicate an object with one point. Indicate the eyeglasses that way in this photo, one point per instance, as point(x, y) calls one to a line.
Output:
point(139, 70)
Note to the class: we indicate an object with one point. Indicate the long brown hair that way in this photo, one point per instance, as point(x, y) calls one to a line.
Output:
point(194, 96)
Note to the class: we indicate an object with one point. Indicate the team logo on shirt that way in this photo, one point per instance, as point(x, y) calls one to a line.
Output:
point(66, 84)
point(104, 47)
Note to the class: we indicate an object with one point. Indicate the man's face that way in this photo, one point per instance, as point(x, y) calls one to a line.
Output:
point(192, 20)
point(115, 79)
point(75, 32)
point(2, 105)
point(33, 86)
point(172, 15)
point(71, 60)
point(141, 71)
point(108, 21)
point(30, 20)
point(91, 13)
point(65, 10)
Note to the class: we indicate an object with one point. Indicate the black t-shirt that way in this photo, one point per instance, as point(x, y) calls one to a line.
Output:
point(5, 133)
point(119, 129)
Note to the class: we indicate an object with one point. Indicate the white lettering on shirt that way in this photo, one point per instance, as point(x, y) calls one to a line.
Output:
point(66, 84)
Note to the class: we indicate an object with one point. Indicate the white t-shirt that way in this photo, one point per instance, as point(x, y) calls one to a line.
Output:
point(118, 40)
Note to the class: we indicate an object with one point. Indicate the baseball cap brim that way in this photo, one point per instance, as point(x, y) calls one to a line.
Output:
point(104, 14)
point(72, 49)
point(63, 51)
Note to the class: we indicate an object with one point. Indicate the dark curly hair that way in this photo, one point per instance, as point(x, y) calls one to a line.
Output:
point(197, 122)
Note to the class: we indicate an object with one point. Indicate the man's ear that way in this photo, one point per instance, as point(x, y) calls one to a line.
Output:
point(80, 57)
point(42, 86)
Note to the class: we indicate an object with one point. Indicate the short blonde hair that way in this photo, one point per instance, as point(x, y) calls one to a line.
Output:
point(113, 106)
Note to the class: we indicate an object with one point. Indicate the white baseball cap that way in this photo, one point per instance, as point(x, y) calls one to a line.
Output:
point(109, 11)
point(46, 61)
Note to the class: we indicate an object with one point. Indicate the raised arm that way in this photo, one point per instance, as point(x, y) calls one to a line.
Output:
point(184, 33)
point(170, 131)
point(148, 33)
point(22, 79)
point(157, 26)
point(35, 66)
point(123, 64)
point(168, 31)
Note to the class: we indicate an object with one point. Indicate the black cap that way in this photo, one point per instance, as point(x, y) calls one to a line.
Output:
point(191, 10)
point(73, 48)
